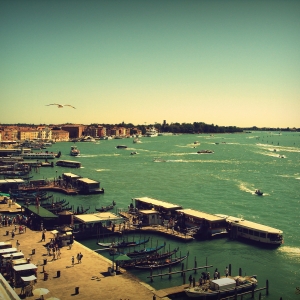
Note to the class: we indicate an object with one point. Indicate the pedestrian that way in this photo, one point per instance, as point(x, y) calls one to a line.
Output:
point(73, 261)
point(80, 257)
point(200, 281)
point(12, 234)
point(226, 272)
point(17, 244)
point(190, 280)
point(43, 237)
point(58, 253)
point(216, 274)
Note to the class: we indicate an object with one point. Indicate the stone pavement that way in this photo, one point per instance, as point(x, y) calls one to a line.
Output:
point(90, 276)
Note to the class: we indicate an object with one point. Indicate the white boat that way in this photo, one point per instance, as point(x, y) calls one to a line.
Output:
point(88, 139)
point(214, 289)
point(136, 141)
point(40, 155)
point(240, 228)
point(74, 151)
point(151, 132)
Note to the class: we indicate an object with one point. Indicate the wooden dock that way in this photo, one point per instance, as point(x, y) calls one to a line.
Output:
point(51, 187)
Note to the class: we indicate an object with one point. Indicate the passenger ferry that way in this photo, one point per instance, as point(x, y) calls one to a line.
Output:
point(68, 163)
point(151, 132)
point(240, 228)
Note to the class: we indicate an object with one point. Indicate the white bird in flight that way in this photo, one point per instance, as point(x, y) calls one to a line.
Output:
point(61, 105)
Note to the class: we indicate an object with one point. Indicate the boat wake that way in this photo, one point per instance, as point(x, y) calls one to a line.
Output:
point(292, 252)
point(101, 170)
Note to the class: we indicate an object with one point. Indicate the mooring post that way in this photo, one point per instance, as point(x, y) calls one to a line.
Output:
point(170, 270)
point(267, 287)
point(151, 277)
point(240, 272)
point(195, 265)
point(229, 270)
point(183, 277)
point(235, 294)
point(259, 296)
point(182, 268)
point(253, 288)
point(194, 282)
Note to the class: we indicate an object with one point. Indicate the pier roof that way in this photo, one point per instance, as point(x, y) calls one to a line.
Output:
point(97, 217)
point(200, 214)
point(158, 203)
point(40, 211)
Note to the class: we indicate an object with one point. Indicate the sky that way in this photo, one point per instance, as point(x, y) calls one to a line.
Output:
point(227, 63)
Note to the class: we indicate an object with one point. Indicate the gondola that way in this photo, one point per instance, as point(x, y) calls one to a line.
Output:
point(162, 264)
point(106, 208)
point(123, 244)
point(146, 260)
point(139, 253)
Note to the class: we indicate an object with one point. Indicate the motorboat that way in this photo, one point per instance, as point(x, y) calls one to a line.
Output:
point(259, 192)
point(121, 146)
point(74, 151)
point(225, 286)
point(205, 152)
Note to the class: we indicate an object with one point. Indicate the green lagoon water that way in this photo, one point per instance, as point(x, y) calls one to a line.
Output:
point(223, 182)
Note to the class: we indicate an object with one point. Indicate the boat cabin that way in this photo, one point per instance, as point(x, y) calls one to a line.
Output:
point(240, 228)
point(88, 186)
point(202, 224)
point(165, 209)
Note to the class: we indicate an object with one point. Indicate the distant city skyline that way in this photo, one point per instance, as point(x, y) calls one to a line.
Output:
point(227, 63)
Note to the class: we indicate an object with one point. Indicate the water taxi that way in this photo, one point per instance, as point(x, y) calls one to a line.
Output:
point(74, 151)
point(240, 228)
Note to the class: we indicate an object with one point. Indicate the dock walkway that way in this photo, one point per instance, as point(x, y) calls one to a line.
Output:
point(91, 276)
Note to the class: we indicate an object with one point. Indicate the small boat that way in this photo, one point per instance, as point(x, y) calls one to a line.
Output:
point(205, 152)
point(225, 286)
point(121, 147)
point(149, 258)
point(259, 192)
point(74, 151)
point(133, 153)
point(139, 253)
point(136, 141)
point(106, 208)
point(162, 264)
point(123, 244)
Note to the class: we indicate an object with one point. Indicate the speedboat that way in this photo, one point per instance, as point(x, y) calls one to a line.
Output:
point(258, 192)
point(74, 151)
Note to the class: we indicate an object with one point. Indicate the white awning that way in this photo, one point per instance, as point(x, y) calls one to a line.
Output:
point(54, 231)
point(29, 278)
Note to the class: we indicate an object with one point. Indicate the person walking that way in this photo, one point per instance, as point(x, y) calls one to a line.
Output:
point(80, 257)
point(226, 272)
point(190, 280)
point(73, 261)
point(17, 244)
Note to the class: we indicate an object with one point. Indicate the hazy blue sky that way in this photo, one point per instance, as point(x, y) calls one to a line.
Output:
point(218, 62)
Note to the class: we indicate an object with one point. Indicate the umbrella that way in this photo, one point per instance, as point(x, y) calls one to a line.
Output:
point(120, 258)
point(40, 292)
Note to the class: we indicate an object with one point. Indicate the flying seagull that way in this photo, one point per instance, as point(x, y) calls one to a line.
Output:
point(61, 105)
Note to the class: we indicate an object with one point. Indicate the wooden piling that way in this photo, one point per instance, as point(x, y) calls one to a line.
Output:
point(195, 266)
point(267, 287)
point(240, 272)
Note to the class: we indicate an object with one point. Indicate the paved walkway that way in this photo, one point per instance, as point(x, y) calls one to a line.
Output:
point(90, 276)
